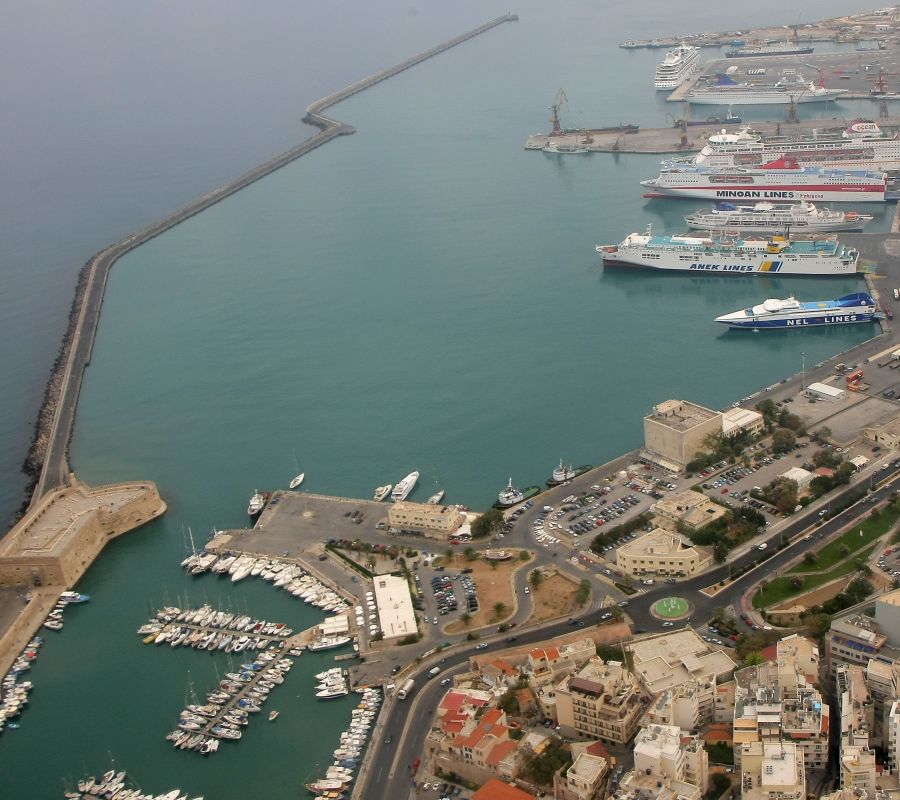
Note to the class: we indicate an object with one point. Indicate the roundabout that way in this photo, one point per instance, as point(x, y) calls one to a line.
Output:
point(671, 608)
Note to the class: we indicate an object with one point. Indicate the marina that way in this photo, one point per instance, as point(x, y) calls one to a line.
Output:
point(116, 784)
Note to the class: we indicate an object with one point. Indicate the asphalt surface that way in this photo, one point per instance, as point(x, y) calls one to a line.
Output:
point(407, 723)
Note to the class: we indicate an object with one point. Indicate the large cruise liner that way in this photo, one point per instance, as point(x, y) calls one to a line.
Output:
point(728, 256)
point(677, 66)
point(404, 487)
point(780, 180)
point(727, 92)
point(766, 217)
point(861, 145)
point(791, 313)
point(773, 49)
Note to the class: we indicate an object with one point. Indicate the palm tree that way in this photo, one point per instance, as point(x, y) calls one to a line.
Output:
point(466, 618)
point(499, 609)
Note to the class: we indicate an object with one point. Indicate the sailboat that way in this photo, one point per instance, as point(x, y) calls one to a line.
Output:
point(297, 481)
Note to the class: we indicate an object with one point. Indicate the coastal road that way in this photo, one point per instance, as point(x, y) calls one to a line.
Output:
point(409, 721)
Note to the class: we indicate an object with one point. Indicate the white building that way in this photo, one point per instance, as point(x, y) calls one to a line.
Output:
point(665, 750)
point(822, 391)
point(395, 610)
point(798, 475)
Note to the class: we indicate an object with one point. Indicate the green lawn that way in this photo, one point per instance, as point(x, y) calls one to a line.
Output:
point(830, 555)
point(781, 589)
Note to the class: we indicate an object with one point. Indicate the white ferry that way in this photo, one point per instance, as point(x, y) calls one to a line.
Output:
point(772, 49)
point(404, 487)
point(764, 217)
point(678, 65)
point(791, 313)
point(728, 92)
point(781, 179)
point(862, 145)
point(509, 496)
point(728, 256)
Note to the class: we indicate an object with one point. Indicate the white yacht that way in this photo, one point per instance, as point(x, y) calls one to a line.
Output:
point(381, 492)
point(678, 65)
point(436, 498)
point(256, 503)
point(510, 495)
point(297, 481)
point(404, 487)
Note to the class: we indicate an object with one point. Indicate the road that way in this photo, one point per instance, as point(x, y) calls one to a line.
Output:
point(408, 721)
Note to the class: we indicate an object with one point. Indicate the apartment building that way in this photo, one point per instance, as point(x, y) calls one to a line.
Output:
point(665, 750)
point(772, 771)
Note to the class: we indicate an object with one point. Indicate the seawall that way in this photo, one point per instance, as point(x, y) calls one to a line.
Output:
point(47, 459)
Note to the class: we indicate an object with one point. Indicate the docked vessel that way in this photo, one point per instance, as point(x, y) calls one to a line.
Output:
point(297, 480)
point(257, 501)
point(765, 217)
point(678, 65)
point(509, 496)
point(562, 474)
point(772, 49)
point(730, 256)
point(436, 498)
point(404, 487)
point(328, 643)
point(727, 92)
point(861, 145)
point(782, 179)
point(564, 149)
point(381, 492)
point(791, 313)
point(73, 597)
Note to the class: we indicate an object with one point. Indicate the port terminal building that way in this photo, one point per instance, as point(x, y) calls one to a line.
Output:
point(427, 518)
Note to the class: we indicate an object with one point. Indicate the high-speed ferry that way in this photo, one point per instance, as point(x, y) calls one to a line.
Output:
point(730, 256)
point(779, 180)
point(791, 313)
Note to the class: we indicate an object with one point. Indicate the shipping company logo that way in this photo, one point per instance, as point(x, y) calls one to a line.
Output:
point(723, 267)
point(757, 193)
point(829, 320)
point(770, 266)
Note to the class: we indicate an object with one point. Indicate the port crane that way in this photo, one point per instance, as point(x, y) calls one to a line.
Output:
point(561, 98)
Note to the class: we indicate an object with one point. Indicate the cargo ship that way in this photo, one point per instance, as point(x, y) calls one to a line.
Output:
point(782, 179)
point(731, 256)
point(791, 313)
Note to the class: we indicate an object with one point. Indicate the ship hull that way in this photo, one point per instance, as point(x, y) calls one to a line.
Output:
point(844, 193)
point(848, 317)
point(750, 53)
point(784, 264)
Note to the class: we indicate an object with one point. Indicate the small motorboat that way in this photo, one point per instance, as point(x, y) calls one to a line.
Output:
point(297, 481)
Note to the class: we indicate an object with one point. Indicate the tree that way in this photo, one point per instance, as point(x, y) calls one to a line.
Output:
point(469, 554)
point(583, 593)
point(720, 552)
point(536, 577)
point(466, 618)
point(821, 435)
point(796, 582)
point(718, 616)
point(524, 555)
point(488, 523)
point(809, 557)
point(448, 554)
point(783, 440)
point(752, 659)
point(499, 609)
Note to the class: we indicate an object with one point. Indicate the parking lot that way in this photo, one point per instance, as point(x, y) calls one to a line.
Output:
point(449, 593)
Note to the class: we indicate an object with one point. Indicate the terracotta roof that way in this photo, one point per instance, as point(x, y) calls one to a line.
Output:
point(525, 697)
point(550, 653)
point(489, 725)
point(500, 751)
point(597, 749)
point(504, 666)
point(770, 653)
point(453, 701)
point(498, 790)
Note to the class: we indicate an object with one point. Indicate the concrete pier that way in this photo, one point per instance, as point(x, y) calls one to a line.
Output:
point(48, 458)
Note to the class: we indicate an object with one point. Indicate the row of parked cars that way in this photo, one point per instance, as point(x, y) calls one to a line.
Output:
point(602, 512)
point(445, 596)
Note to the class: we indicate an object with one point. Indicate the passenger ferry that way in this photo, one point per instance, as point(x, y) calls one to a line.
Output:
point(678, 65)
point(727, 92)
point(764, 217)
point(730, 256)
point(862, 145)
point(782, 179)
point(773, 49)
point(791, 313)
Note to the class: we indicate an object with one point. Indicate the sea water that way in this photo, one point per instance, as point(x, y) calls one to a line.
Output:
point(422, 295)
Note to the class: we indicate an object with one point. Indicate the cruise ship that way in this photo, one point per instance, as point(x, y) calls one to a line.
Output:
point(729, 256)
point(781, 180)
point(791, 313)
point(728, 92)
point(772, 49)
point(862, 145)
point(678, 65)
point(766, 217)
point(404, 487)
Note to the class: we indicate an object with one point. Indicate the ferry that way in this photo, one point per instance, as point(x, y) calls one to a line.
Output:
point(773, 49)
point(256, 503)
point(509, 496)
point(782, 179)
point(729, 256)
point(678, 65)
point(727, 92)
point(791, 313)
point(764, 217)
point(381, 492)
point(404, 487)
point(861, 145)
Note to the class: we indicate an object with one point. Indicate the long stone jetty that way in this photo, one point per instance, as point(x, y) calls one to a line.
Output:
point(47, 460)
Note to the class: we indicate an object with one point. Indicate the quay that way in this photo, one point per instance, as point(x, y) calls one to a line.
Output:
point(48, 457)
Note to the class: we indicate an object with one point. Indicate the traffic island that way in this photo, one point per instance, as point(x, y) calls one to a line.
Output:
point(672, 609)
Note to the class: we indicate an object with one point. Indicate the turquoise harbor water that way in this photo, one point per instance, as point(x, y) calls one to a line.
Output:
point(424, 294)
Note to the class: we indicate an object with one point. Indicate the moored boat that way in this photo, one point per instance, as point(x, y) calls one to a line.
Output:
point(509, 496)
point(257, 501)
point(790, 313)
point(295, 482)
point(678, 65)
point(403, 488)
point(765, 217)
point(436, 498)
point(381, 492)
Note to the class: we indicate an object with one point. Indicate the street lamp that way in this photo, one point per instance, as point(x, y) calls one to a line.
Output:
point(803, 371)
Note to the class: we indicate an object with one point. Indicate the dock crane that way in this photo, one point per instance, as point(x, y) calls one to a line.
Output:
point(555, 109)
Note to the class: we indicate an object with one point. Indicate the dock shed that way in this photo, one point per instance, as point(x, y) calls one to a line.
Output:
point(395, 610)
point(822, 391)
